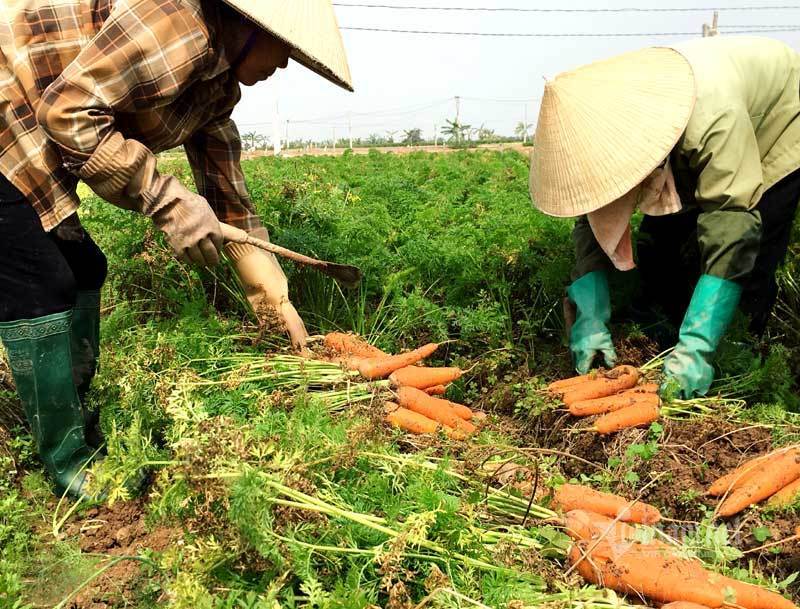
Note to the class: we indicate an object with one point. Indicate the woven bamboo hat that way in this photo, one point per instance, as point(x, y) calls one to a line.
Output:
point(309, 27)
point(604, 127)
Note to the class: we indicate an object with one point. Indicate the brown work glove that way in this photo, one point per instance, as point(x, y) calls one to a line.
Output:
point(123, 172)
point(266, 288)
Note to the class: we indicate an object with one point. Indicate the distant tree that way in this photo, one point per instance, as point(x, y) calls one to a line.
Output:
point(412, 137)
point(249, 140)
point(390, 136)
point(374, 139)
point(485, 134)
point(456, 132)
point(521, 130)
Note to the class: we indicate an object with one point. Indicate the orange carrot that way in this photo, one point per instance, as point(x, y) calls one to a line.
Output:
point(769, 477)
point(657, 573)
point(381, 367)
point(350, 344)
point(645, 571)
point(570, 497)
point(787, 496)
point(612, 403)
point(683, 605)
point(436, 390)
point(632, 416)
point(408, 420)
point(741, 474)
point(564, 384)
point(609, 383)
point(433, 408)
point(422, 378)
point(582, 524)
point(643, 388)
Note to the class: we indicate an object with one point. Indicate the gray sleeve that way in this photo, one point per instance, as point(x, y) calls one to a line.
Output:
point(589, 256)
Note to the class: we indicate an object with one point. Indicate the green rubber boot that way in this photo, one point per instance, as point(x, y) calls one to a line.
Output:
point(39, 353)
point(85, 339)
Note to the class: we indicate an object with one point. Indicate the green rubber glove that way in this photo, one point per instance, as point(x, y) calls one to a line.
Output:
point(710, 312)
point(590, 334)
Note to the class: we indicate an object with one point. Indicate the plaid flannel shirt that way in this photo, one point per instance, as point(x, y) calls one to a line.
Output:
point(74, 73)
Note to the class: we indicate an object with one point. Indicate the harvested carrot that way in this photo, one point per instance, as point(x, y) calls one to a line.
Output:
point(613, 403)
point(609, 383)
point(411, 421)
point(632, 416)
point(661, 575)
point(582, 524)
point(769, 477)
point(644, 388)
point(645, 571)
point(436, 390)
point(683, 605)
point(564, 384)
point(422, 377)
point(570, 497)
point(741, 474)
point(433, 408)
point(350, 344)
point(787, 496)
point(381, 367)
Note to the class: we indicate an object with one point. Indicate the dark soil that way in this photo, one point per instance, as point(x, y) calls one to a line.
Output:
point(117, 531)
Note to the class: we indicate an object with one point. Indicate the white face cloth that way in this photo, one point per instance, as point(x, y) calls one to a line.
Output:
point(611, 224)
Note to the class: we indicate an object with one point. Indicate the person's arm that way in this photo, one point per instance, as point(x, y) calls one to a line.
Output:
point(727, 160)
point(214, 154)
point(589, 256)
point(143, 57)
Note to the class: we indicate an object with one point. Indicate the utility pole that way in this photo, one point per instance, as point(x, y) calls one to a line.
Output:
point(711, 30)
point(334, 138)
point(350, 129)
point(286, 140)
point(435, 135)
point(525, 125)
point(458, 109)
point(276, 130)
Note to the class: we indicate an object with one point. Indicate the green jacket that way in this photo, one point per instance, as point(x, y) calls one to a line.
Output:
point(742, 138)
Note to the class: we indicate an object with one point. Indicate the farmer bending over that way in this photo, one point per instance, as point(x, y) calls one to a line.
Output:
point(90, 91)
point(704, 139)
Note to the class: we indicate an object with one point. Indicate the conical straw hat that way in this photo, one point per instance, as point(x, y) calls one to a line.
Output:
point(604, 127)
point(309, 27)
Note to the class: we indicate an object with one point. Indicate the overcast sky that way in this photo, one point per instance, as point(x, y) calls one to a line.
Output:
point(404, 81)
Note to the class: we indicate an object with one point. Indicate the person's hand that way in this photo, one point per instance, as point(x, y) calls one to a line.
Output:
point(710, 312)
point(266, 288)
point(192, 229)
point(589, 335)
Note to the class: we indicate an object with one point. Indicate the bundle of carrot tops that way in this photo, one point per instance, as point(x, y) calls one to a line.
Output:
point(617, 395)
point(416, 405)
point(774, 476)
point(609, 552)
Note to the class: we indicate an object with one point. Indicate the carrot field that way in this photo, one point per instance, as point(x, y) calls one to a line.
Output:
point(275, 480)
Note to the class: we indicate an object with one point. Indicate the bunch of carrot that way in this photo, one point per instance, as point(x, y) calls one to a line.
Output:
point(614, 394)
point(774, 476)
point(608, 553)
point(416, 409)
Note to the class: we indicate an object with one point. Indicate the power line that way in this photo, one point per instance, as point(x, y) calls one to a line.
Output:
point(771, 29)
point(630, 9)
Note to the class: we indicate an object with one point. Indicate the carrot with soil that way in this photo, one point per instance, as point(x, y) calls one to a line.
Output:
point(769, 477)
point(436, 390)
point(741, 474)
point(381, 367)
point(408, 420)
point(421, 377)
point(631, 416)
point(433, 408)
point(787, 496)
point(350, 344)
point(613, 403)
point(614, 381)
point(570, 497)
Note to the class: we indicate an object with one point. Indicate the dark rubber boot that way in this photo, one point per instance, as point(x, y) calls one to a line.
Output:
point(39, 352)
point(85, 340)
